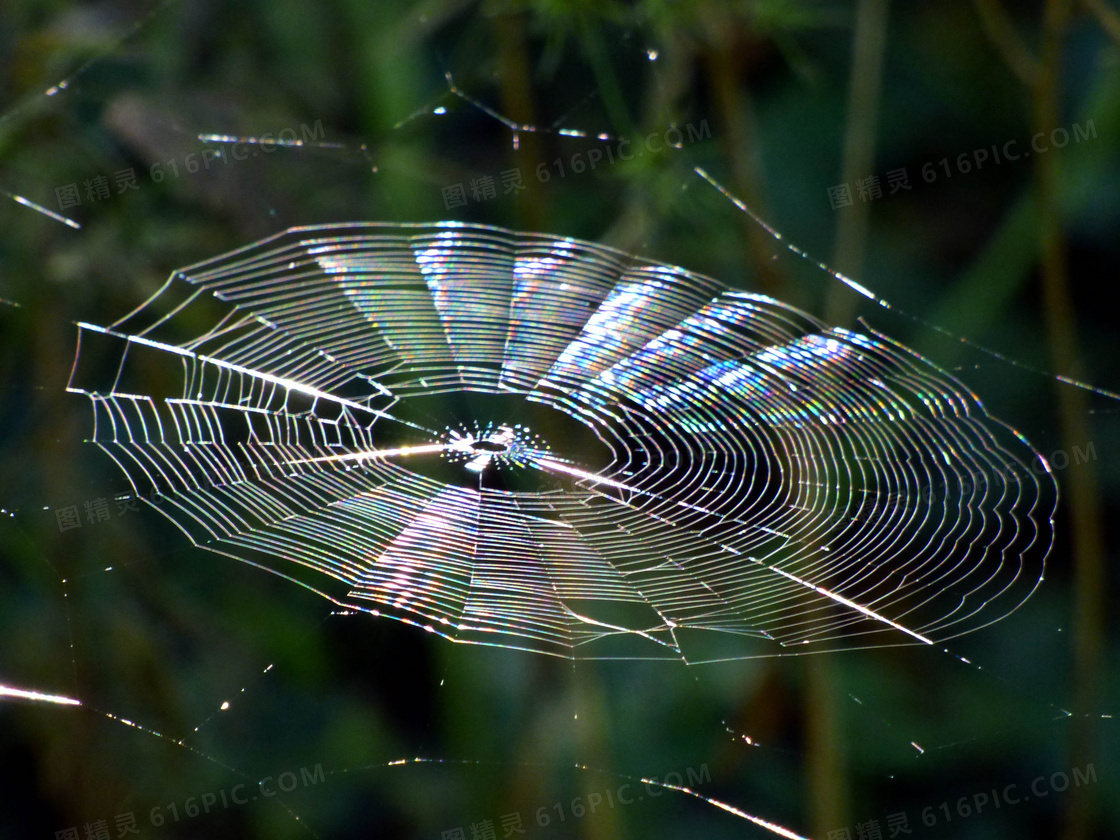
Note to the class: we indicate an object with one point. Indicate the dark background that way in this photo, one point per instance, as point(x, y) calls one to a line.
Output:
point(786, 100)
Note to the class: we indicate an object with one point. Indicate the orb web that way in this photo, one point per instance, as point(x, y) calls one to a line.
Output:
point(537, 442)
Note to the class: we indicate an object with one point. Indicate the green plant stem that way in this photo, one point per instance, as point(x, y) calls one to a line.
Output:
point(1083, 500)
point(864, 93)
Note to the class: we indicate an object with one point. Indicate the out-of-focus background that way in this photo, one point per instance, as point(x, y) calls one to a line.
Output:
point(961, 159)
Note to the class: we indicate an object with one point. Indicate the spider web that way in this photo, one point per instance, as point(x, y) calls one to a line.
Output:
point(358, 423)
point(766, 477)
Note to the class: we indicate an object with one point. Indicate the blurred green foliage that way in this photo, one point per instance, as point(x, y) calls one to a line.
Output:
point(172, 632)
